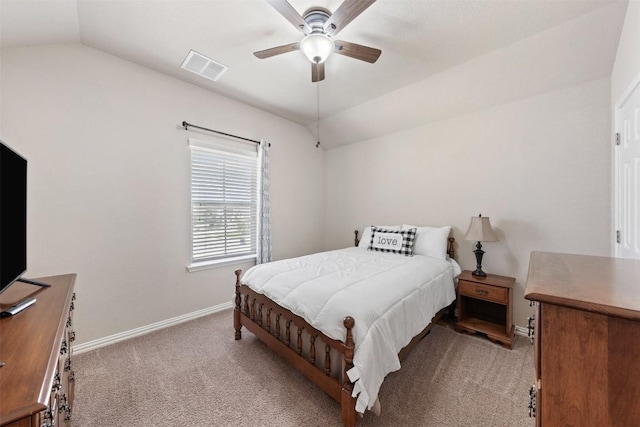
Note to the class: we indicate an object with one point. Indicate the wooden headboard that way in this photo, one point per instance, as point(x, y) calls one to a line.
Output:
point(450, 244)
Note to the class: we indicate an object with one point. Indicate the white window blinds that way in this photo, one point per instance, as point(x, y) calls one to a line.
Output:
point(224, 183)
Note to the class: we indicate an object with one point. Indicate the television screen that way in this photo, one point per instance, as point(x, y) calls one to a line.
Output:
point(13, 216)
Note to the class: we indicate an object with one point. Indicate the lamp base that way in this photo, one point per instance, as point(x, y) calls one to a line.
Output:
point(479, 252)
point(479, 273)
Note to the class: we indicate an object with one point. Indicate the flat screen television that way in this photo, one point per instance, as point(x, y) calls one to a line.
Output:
point(13, 216)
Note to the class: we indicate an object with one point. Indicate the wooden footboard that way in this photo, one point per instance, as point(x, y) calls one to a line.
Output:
point(281, 330)
point(274, 325)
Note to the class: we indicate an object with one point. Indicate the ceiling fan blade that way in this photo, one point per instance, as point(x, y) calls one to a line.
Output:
point(290, 14)
point(357, 51)
point(345, 13)
point(268, 53)
point(317, 72)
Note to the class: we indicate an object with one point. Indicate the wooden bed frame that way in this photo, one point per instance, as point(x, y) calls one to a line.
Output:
point(274, 325)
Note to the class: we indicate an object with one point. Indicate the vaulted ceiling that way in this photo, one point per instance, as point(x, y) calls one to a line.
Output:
point(421, 41)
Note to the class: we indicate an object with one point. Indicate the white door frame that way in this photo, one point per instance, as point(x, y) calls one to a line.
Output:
point(615, 200)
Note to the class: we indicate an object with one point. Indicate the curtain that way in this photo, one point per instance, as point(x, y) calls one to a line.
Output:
point(264, 210)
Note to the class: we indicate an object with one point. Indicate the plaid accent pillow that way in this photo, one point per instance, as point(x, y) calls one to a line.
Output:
point(393, 241)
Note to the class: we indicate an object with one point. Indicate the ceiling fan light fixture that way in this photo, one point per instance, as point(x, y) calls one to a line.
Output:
point(317, 47)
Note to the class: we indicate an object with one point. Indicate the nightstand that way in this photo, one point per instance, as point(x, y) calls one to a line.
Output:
point(484, 305)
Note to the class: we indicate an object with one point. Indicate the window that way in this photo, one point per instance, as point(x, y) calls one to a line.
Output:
point(224, 200)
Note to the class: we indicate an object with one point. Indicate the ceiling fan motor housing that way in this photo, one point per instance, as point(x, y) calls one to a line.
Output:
point(316, 18)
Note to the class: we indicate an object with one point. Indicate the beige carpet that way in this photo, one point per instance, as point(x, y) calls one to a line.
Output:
point(196, 374)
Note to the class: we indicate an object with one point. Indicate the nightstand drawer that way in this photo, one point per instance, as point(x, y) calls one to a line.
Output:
point(485, 292)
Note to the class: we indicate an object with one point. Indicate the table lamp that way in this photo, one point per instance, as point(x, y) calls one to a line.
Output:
point(480, 231)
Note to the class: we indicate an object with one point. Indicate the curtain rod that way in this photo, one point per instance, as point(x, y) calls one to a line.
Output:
point(187, 125)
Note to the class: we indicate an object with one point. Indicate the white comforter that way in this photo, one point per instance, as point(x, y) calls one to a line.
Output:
point(391, 297)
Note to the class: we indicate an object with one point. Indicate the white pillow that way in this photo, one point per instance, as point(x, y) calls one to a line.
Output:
point(430, 241)
point(365, 239)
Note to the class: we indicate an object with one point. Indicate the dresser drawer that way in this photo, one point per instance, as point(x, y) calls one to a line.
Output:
point(484, 292)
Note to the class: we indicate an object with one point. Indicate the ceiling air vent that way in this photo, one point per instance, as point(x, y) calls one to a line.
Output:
point(203, 66)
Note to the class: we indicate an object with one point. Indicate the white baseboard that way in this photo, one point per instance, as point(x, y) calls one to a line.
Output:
point(521, 330)
point(112, 339)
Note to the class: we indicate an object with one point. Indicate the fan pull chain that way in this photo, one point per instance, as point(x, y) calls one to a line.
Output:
point(318, 114)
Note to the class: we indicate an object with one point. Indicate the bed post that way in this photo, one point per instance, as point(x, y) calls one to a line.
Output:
point(356, 240)
point(236, 310)
point(347, 402)
point(450, 250)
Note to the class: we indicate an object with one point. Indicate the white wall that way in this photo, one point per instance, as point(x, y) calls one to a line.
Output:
point(109, 178)
point(539, 168)
point(572, 53)
point(109, 182)
point(627, 63)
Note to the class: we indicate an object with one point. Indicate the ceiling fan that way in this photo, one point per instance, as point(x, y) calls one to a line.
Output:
point(318, 26)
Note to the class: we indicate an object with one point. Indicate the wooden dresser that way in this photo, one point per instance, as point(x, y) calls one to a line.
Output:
point(587, 339)
point(37, 380)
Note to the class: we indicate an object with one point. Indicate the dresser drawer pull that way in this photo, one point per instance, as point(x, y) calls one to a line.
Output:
point(532, 402)
point(48, 420)
point(57, 383)
point(482, 292)
point(531, 328)
point(63, 404)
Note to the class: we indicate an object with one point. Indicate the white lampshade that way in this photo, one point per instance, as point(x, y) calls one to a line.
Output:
point(317, 47)
point(480, 230)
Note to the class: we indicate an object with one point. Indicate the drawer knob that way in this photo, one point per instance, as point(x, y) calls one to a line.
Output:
point(482, 292)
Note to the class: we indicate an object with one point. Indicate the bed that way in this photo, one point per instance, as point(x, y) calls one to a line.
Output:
point(345, 318)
